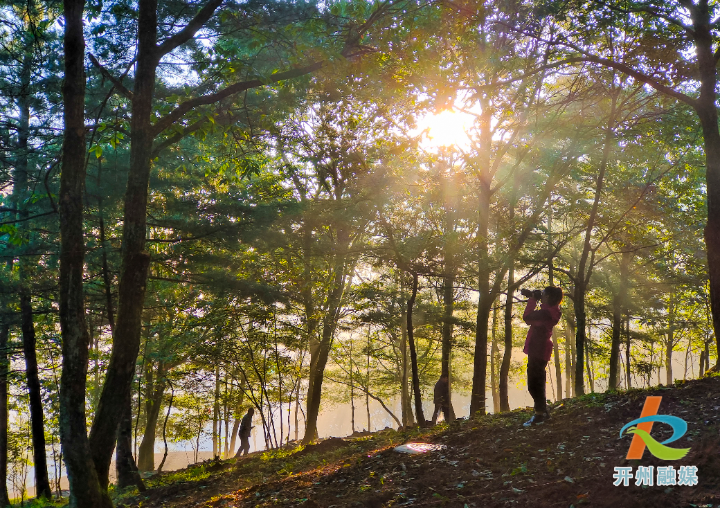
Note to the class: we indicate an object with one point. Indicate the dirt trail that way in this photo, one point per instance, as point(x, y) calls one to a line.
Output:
point(494, 462)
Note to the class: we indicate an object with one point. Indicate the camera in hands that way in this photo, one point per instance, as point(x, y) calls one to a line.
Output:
point(531, 293)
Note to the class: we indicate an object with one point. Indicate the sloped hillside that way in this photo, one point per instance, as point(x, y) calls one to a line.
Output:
point(492, 462)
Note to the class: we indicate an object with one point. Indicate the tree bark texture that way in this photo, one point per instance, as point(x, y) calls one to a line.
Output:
point(407, 414)
point(311, 319)
point(477, 395)
point(617, 324)
point(448, 288)
point(588, 366)
point(569, 337)
point(585, 266)
point(494, 362)
point(85, 489)
point(20, 195)
point(580, 339)
point(619, 305)
point(125, 468)
point(447, 332)
point(556, 347)
point(570, 340)
point(329, 323)
point(135, 260)
point(706, 109)
point(508, 338)
point(4, 371)
point(37, 418)
point(216, 415)
point(238, 414)
point(419, 414)
point(628, 372)
point(670, 340)
point(146, 451)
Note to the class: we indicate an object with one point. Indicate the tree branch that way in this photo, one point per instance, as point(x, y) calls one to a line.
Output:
point(166, 121)
point(115, 81)
point(177, 137)
point(566, 272)
point(190, 30)
point(644, 78)
point(624, 68)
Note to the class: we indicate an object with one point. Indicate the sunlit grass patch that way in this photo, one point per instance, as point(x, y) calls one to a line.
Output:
point(191, 474)
point(39, 503)
point(281, 453)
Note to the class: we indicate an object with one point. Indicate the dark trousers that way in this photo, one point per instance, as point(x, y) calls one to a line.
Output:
point(536, 382)
point(445, 411)
point(244, 446)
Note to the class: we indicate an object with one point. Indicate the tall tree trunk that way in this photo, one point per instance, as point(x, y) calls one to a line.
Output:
point(670, 344)
point(297, 407)
point(580, 330)
point(706, 356)
point(420, 416)
point(407, 415)
point(164, 431)
point(146, 452)
point(569, 338)
point(311, 318)
point(367, 382)
point(85, 489)
point(125, 468)
point(20, 197)
point(4, 371)
point(37, 418)
point(447, 331)
point(317, 372)
point(494, 361)
point(568, 362)
point(668, 359)
point(448, 289)
point(706, 109)
point(556, 347)
point(627, 351)
point(216, 413)
point(238, 414)
point(585, 267)
point(619, 304)
point(352, 390)
point(135, 260)
point(588, 366)
point(485, 299)
point(318, 360)
point(615, 343)
point(507, 353)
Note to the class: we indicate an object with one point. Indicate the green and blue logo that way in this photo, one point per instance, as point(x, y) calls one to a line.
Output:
point(641, 427)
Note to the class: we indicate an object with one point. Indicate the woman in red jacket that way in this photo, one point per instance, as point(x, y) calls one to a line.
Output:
point(538, 344)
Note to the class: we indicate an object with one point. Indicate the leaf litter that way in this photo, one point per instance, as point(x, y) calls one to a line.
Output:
point(567, 461)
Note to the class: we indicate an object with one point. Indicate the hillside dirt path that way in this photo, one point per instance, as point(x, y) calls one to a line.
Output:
point(495, 462)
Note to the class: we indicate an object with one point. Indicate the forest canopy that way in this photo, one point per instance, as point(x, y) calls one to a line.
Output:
point(213, 205)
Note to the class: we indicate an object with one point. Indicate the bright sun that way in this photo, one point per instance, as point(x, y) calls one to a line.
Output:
point(446, 128)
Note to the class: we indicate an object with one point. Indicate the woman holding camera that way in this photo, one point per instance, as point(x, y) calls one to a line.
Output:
point(538, 344)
